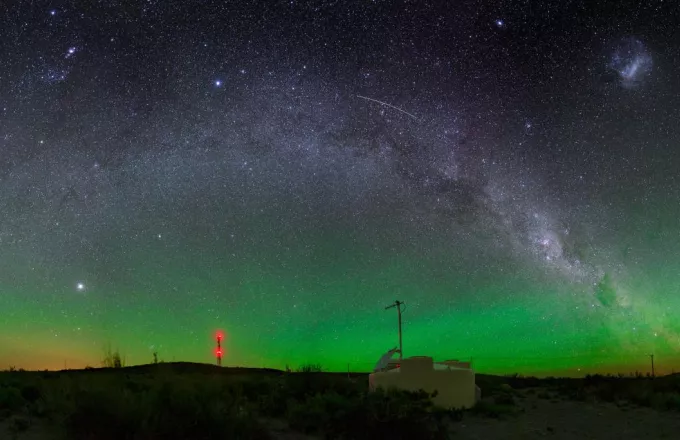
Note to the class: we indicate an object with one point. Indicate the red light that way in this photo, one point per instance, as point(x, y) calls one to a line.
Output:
point(219, 353)
point(219, 336)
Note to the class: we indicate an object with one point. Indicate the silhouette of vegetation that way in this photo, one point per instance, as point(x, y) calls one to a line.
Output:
point(112, 359)
point(662, 393)
point(179, 401)
point(310, 368)
point(491, 409)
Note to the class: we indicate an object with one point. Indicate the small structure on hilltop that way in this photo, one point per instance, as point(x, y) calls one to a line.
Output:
point(453, 380)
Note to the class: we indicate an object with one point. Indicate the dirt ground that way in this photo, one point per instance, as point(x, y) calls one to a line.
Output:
point(562, 419)
point(538, 418)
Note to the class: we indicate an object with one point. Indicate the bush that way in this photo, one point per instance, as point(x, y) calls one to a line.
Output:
point(19, 425)
point(168, 410)
point(494, 410)
point(112, 359)
point(269, 397)
point(30, 393)
point(300, 386)
point(504, 399)
point(11, 399)
point(673, 402)
point(380, 414)
point(103, 415)
point(310, 368)
point(664, 401)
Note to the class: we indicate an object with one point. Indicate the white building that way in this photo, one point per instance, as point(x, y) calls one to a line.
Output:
point(453, 380)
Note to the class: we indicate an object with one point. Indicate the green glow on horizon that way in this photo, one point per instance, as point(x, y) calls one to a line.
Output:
point(546, 329)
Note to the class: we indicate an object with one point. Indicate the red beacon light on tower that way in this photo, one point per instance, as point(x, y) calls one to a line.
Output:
point(219, 336)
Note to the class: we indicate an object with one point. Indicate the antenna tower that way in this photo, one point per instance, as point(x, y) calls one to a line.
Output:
point(398, 305)
point(218, 351)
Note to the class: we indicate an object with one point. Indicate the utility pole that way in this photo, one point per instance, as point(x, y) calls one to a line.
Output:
point(652, 357)
point(398, 305)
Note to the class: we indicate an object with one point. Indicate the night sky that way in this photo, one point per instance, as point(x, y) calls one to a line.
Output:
point(170, 168)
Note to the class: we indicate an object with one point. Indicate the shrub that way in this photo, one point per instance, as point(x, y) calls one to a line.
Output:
point(30, 393)
point(673, 402)
point(299, 386)
point(112, 359)
point(19, 425)
point(267, 396)
point(504, 399)
point(380, 414)
point(178, 409)
point(11, 399)
point(494, 410)
point(310, 368)
point(104, 415)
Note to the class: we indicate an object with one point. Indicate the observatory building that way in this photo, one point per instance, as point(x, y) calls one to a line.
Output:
point(453, 380)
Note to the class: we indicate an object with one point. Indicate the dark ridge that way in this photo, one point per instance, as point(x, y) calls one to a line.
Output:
point(179, 367)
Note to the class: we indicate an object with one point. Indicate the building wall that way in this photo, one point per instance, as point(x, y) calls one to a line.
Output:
point(455, 388)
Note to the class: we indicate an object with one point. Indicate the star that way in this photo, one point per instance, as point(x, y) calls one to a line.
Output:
point(350, 173)
point(55, 76)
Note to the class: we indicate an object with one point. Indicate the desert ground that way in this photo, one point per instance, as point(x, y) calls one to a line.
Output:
point(195, 401)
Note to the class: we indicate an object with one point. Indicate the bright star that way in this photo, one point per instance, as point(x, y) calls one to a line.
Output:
point(80, 287)
point(53, 12)
point(218, 83)
point(500, 23)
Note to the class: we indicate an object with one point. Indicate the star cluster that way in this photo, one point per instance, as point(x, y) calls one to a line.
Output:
point(284, 170)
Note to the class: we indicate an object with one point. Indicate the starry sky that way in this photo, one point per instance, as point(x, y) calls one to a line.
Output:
point(284, 170)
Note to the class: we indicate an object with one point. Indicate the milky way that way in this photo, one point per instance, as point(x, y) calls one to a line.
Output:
point(284, 172)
